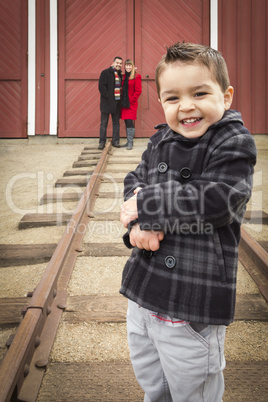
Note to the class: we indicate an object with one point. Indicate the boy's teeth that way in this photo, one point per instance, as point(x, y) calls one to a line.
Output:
point(187, 121)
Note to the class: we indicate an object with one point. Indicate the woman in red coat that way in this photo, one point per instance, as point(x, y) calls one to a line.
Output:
point(131, 90)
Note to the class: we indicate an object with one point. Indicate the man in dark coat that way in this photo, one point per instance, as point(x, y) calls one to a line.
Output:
point(109, 87)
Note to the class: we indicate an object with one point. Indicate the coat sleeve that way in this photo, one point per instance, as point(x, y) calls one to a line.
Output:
point(138, 177)
point(103, 84)
point(219, 196)
point(138, 88)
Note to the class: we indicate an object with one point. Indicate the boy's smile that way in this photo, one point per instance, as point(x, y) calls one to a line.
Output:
point(191, 98)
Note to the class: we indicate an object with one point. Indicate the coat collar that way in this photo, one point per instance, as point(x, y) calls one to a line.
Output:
point(112, 70)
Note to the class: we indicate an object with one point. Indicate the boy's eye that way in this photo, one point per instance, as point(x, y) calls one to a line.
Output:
point(172, 98)
point(198, 94)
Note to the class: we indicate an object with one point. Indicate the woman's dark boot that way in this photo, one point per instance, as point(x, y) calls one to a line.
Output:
point(130, 136)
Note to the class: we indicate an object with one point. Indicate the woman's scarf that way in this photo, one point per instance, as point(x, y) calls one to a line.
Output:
point(125, 99)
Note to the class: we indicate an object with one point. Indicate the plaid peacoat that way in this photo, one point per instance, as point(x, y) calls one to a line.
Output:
point(196, 191)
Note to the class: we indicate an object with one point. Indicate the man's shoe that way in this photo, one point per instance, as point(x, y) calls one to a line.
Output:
point(101, 146)
point(116, 145)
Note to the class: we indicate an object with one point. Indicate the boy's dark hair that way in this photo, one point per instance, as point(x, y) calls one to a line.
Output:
point(118, 57)
point(190, 53)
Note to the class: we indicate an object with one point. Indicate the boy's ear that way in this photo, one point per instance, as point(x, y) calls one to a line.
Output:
point(228, 97)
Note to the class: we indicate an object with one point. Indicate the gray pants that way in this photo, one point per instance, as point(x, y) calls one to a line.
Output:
point(176, 363)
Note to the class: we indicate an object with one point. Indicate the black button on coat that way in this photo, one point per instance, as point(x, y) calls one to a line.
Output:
point(185, 173)
point(162, 167)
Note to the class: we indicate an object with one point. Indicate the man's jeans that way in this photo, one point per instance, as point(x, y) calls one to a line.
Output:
point(173, 363)
point(104, 124)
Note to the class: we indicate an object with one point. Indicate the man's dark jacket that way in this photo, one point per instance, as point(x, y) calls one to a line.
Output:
point(106, 88)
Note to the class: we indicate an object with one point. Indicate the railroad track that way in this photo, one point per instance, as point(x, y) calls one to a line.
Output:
point(27, 358)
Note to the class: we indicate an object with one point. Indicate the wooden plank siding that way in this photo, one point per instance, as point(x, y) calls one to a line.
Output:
point(13, 69)
point(91, 33)
point(157, 27)
point(243, 40)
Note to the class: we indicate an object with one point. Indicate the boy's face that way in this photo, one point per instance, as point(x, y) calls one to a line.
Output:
point(192, 100)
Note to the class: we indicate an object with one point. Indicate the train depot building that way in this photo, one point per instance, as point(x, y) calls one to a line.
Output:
point(53, 51)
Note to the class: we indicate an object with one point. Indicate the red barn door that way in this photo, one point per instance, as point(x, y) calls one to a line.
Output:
point(243, 40)
point(159, 24)
point(13, 69)
point(92, 32)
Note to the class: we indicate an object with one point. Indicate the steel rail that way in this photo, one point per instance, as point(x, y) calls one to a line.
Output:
point(255, 260)
point(36, 332)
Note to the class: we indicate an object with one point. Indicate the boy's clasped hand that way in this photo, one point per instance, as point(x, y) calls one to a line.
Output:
point(143, 239)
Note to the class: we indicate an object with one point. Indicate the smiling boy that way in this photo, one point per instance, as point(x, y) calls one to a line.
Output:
point(192, 100)
point(180, 280)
